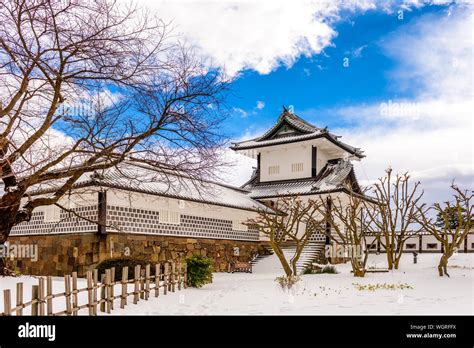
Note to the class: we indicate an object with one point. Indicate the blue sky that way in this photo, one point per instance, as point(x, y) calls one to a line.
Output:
point(406, 97)
point(315, 85)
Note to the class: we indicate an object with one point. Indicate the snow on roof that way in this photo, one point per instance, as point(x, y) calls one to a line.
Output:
point(145, 179)
point(331, 178)
point(305, 131)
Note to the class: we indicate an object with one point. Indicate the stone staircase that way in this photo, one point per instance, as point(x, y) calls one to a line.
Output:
point(309, 255)
point(260, 257)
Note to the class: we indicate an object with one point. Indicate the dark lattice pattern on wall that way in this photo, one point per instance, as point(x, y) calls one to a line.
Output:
point(67, 223)
point(317, 237)
point(134, 220)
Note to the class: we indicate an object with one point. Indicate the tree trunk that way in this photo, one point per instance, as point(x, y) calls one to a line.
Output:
point(281, 257)
point(389, 252)
point(443, 264)
point(357, 268)
point(7, 219)
point(397, 260)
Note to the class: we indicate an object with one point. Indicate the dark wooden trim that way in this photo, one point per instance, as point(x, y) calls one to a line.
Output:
point(328, 225)
point(465, 243)
point(289, 141)
point(259, 166)
point(102, 205)
point(420, 247)
point(314, 154)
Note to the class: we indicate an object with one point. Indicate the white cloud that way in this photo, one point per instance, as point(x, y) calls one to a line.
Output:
point(259, 35)
point(435, 142)
point(240, 112)
point(356, 52)
point(260, 105)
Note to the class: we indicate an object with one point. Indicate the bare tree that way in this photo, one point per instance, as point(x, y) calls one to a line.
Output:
point(88, 84)
point(294, 221)
point(349, 220)
point(453, 232)
point(395, 219)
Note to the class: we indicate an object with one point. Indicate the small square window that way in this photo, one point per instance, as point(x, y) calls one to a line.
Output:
point(432, 246)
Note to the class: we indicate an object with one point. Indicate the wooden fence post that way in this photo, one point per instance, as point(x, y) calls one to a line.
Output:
point(19, 298)
point(157, 279)
point(142, 284)
point(7, 303)
point(123, 298)
point(67, 290)
point(112, 284)
point(49, 294)
point(108, 299)
point(136, 285)
point(102, 293)
point(34, 297)
point(180, 268)
point(165, 279)
point(173, 276)
point(41, 295)
point(95, 288)
point(90, 296)
point(75, 303)
point(147, 281)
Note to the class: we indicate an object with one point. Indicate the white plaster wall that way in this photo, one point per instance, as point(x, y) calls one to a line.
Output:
point(137, 200)
point(284, 157)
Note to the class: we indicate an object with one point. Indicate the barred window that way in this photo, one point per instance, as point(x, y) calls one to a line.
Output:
point(52, 213)
point(297, 167)
point(169, 217)
point(272, 170)
point(237, 225)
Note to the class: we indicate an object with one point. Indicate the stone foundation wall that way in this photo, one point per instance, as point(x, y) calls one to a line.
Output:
point(62, 254)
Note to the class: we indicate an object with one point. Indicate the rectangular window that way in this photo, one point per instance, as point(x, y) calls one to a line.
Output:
point(296, 167)
point(52, 213)
point(273, 170)
point(237, 225)
point(472, 245)
point(432, 246)
point(169, 217)
point(411, 246)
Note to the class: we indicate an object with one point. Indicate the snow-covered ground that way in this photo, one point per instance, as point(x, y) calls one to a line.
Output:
point(258, 293)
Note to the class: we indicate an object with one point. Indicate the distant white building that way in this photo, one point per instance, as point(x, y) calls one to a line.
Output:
point(165, 216)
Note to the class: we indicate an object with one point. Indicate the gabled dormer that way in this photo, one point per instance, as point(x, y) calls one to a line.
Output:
point(293, 149)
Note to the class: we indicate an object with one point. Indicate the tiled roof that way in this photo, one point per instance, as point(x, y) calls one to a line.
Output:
point(150, 181)
point(307, 132)
point(331, 178)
